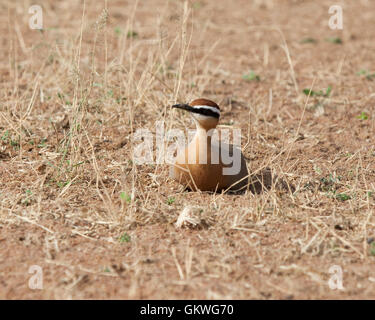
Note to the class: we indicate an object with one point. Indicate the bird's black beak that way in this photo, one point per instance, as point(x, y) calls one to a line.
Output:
point(183, 106)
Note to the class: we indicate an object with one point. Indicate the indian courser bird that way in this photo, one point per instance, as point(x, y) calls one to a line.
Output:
point(208, 164)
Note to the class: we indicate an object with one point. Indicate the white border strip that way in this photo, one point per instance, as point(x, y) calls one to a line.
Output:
point(213, 109)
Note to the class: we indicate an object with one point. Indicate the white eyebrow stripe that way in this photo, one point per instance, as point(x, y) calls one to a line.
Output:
point(213, 109)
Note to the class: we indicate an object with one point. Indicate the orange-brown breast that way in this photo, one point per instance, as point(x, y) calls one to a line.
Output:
point(206, 177)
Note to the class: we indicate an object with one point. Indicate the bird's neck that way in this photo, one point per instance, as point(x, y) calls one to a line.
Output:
point(203, 135)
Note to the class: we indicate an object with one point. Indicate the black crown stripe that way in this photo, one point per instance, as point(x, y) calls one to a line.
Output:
point(206, 112)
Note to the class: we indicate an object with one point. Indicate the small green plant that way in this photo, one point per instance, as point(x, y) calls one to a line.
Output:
point(367, 74)
point(125, 197)
point(120, 100)
point(308, 40)
point(329, 183)
point(342, 197)
point(171, 200)
point(318, 93)
point(132, 34)
point(28, 195)
point(78, 164)
point(62, 184)
point(372, 248)
point(335, 40)
point(61, 96)
point(14, 144)
point(118, 30)
point(317, 169)
point(363, 116)
point(125, 238)
point(7, 138)
point(42, 143)
point(251, 76)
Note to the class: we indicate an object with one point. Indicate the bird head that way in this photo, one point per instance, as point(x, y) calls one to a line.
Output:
point(205, 113)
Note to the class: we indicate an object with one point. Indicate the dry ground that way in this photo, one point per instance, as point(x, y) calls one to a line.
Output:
point(73, 201)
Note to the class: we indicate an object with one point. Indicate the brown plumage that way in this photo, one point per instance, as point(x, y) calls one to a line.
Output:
point(207, 176)
point(204, 102)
